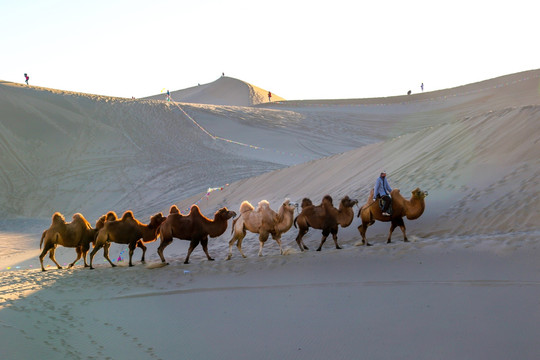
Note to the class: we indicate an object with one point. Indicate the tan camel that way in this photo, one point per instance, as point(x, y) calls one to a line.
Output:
point(324, 217)
point(401, 207)
point(127, 230)
point(194, 227)
point(263, 221)
point(77, 234)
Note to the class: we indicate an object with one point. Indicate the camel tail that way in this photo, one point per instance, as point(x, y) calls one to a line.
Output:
point(42, 237)
point(294, 222)
point(233, 224)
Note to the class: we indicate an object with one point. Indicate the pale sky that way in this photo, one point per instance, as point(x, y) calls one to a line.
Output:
point(298, 49)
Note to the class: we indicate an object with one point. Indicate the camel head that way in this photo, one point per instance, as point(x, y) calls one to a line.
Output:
point(290, 205)
point(347, 202)
point(224, 214)
point(419, 194)
point(156, 220)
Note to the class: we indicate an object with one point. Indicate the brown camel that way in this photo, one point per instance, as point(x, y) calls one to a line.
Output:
point(263, 221)
point(194, 227)
point(401, 207)
point(77, 234)
point(324, 217)
point(127, 230)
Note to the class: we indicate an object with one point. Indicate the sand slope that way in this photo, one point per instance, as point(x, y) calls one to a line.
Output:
point(466, 286)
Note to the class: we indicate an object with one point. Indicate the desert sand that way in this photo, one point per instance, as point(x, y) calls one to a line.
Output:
point(466, 286)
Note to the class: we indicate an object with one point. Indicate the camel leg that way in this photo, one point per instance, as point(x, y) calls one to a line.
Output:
point(235, 239)
point(278, 240)
point(131, 247)
point(362, 229)
point(141, 245)
point(84, 251)
point(334, 236)
point(401, 225)
point(395, 223)
point(46, 249)
point(96, 248)
point(51, 256)
point(262, 239)
point(165, 241)
point(204, 243)
point(192, 245)
point(79, 255)
point(106, 253)
point(300, 241)
point(325, 235)
point(239, 246)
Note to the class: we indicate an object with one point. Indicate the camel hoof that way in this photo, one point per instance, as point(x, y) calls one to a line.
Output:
point(91, 268)
point(113, 265)
point(186, 262)
point(368, 244)
point(43, 270)
point(338, 247)
point(211, 259)
point(405, 240)
point(319, 249)
point(389, 242)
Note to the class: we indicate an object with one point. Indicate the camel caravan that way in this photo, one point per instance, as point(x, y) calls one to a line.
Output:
point(196, 227)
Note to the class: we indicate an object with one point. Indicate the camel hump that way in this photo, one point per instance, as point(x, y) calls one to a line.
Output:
point(195, 211)
point(245, 206)
point(78, 217)
point(174, 210)
point(58, 218)
point(394, 191)
point(111, 216)
point(306, 202)
point(128, 215)
point(327, 199)
point(263, 205)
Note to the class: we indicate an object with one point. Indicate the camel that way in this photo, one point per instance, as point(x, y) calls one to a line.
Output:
point(324, 217)
point(127, 230)
point(412, 209)
point(263, 221)
point(77, 234)
point(194, 227)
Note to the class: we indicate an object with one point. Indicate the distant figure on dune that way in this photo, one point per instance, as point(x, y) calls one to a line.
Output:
point(222, 74)
point(26, 78)
point(409, 92)
point(168, 95)
point(269, 96)
point(422, 87)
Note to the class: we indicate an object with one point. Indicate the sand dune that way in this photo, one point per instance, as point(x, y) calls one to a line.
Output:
point(223, 91)
point(466, 286)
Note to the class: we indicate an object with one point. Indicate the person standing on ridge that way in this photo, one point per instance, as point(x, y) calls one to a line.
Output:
point(382, 191)
point(269, 96)
point(168, 95)
point(422, 87)
point(26, 78)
